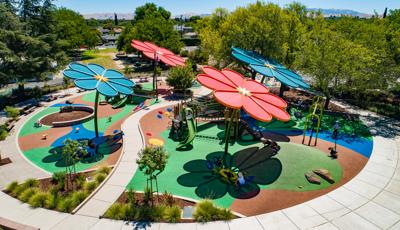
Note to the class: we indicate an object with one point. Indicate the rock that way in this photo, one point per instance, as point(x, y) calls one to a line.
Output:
point(324, 174)
point(312, 178)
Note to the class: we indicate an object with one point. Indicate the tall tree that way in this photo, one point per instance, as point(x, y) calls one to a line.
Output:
point(10, 5)
point(152, 24)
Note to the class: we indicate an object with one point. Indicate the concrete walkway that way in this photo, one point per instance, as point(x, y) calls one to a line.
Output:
point(21, 169)
point(124, 169)
point(369, 201)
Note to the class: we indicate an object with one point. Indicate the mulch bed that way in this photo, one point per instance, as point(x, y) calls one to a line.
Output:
point(65, 116)
point(158, 200)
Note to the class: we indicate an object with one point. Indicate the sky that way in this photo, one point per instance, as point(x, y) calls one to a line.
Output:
point(177, 7)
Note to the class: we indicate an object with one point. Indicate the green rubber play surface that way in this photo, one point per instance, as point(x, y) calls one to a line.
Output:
point(285, 171)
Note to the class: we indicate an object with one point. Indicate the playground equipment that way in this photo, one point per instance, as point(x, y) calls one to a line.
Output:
point(313, 119)
point(120, 103)
point(188, 116)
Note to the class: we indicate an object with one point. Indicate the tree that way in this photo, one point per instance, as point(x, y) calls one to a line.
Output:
point(181, 77)
point(72, 30)
point(152, 24)
point(150, 9)
point(10, 5)
point(152, 161)
point(115, 19)
point(335, 63)
point(22, 56)
point(12, 112)
point(72, 152)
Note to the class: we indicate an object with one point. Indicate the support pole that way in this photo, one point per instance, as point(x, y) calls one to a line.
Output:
point(96, 103)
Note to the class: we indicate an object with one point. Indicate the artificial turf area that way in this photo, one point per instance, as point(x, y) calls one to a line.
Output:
point(186, 173)
point(46, 154)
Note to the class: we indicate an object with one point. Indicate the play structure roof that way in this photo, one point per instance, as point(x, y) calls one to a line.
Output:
point(269, 68)
point(232, 90)
point(107, 82)
point(158, 53)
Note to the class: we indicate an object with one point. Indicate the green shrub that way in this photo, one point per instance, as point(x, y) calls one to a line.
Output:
point(119, 211)
point(104, 169)
point(80, 180)
point(78, 197)
point(3, 132)
point(27, 194)
point(168, 199)
point(18, 190)
point(39, 199)
point(147, 196)
point(225, 214)
point(65, 204)
point(130, 194)
point(205, 211)
point(172, 214)
point(145, 213)
point(158, 212)
point(52, 201)
point(90, 186)
point(11, 187)
point(11, 112)
point(100, 177)
point(59, 179)
point(31, 183)
point(181, 77)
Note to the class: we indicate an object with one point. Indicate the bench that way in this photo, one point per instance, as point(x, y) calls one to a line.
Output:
point(28, 110)
point(10, 126)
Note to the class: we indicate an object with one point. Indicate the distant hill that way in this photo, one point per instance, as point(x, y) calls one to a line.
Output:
point(128, 16)
point(339, 12)
point(103, 16)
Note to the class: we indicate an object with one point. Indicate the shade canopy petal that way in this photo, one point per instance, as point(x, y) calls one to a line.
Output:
point(154, 52)
point(270, 68)
point(108, 82)
point(232, 90)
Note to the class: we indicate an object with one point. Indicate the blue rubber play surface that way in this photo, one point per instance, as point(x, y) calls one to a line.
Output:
point(358, 144)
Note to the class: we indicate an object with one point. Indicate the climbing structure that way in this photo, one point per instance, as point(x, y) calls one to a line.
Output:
point(313, 119)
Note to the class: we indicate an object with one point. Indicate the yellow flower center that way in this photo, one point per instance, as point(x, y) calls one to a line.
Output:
point(269, 66)
point(159, 53)
point(101, 78)
point(243, 91)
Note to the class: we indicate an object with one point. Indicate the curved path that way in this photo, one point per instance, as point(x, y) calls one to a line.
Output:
point(371, 200)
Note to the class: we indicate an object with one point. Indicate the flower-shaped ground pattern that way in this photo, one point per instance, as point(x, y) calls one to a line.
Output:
point(269, 68)
point(158, 53)
point(234, 91)
point(108, 82)
point(257, 166)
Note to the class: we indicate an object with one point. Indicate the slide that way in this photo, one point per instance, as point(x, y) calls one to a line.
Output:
point(120, 103)
point(192, 129)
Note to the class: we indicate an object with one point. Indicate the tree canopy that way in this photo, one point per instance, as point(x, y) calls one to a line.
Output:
point(151, 23)
point(340, 55)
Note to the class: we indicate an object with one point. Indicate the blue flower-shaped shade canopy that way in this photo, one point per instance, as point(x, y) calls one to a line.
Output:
point(107, 82)
point(269, 68)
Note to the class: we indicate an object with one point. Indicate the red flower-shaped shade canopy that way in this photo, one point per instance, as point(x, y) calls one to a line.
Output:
point(234, 91)
point(157, 53)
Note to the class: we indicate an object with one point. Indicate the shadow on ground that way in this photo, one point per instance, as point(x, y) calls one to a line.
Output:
point(256, 164)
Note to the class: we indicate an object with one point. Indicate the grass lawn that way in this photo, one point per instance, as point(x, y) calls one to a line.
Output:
point(101, 57)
